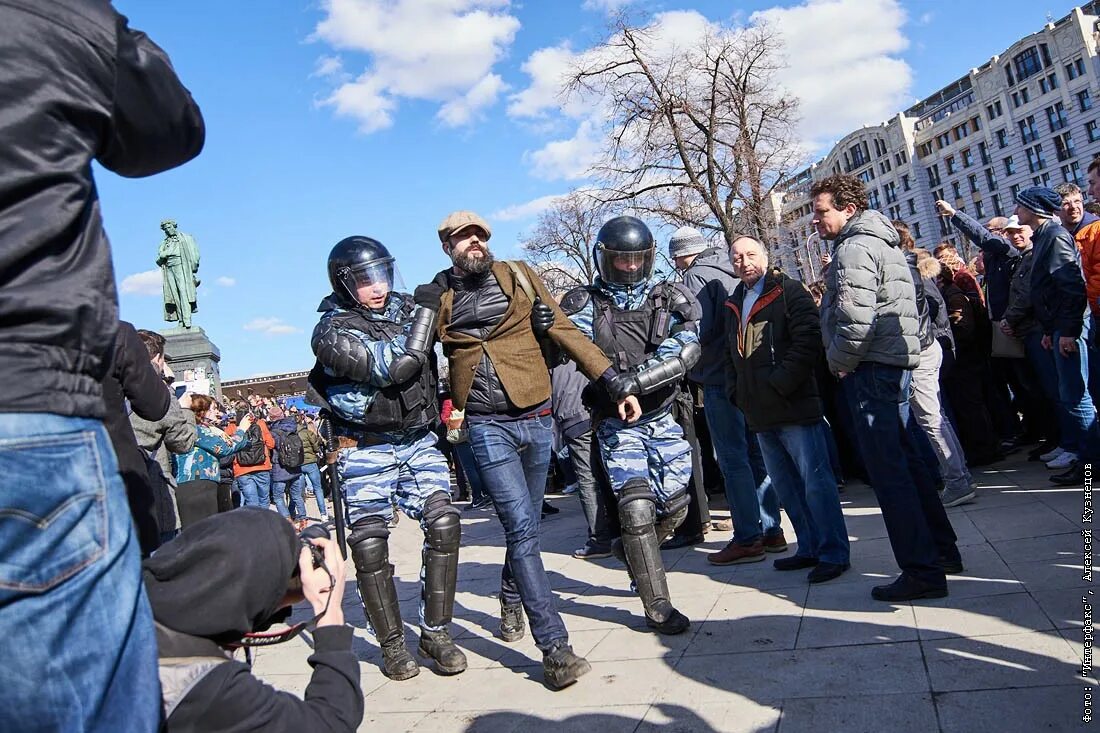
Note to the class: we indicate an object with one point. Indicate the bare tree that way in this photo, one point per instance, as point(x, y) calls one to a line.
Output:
point(698, 135)
point(560, 245)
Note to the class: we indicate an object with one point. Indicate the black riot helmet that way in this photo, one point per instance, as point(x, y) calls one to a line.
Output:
point(356, 262)
point(625, 251)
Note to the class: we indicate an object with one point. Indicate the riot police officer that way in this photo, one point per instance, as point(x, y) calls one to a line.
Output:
point(376, 377)
point(648, 328)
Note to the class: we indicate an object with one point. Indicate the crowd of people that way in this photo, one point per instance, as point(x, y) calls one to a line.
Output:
point(127, 507)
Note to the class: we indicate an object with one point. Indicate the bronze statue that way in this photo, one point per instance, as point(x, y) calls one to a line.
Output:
point(178, 258)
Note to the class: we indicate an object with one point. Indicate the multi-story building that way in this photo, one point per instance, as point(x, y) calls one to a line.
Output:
point(1029, 116)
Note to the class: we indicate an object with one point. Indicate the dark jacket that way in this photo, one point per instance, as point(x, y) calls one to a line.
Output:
point(1000, 260)
point(80, 86)
point(711, 280)
point(571, 415)
point(925, 334)
point(770, 363)
point(204, 592)
point(1020, 314)
point(1057, 285)
point(280, 429)
point(133, 385)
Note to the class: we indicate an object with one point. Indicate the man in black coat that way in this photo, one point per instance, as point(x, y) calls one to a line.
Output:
point(774, 341)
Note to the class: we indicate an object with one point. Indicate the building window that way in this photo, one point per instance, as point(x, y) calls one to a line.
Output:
point(1010, 167)
point(1020, 98)
point(983, 153)
point(868, 175)
point(1063, 147)
point(1015, 190)
point(891, 192)
point(1048, 83)
point(1028, 132)
point(1075, 69)
point(1044, 180)
point(905, 180)
point(1084, 100)
point(1027, 63)
point(1092, 131)
point(973, 181)
point(956, 189)
point(937, 195)
point(994, 110)
point(912, 207)
point(1056, 117)
point(968, 159)
point(1002, 138)
point(949, 161)
point(916, 229)
point(872, 198)
point(991, 179)
point(934, 175)
point(1067, 174)
point(997, 210)
point(979, 209)
point(1035, 160)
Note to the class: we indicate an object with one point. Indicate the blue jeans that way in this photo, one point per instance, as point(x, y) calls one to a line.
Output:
point(916, 522)
point(1073, 379)
point(797, 457)
point(312, 471)
point(297, 503)
point(464, 455)
point(512, 457)
point(80, 652)
point(754, 505)
point(255, 489)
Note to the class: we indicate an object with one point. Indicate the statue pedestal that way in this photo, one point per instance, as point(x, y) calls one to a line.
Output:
point(194, 358)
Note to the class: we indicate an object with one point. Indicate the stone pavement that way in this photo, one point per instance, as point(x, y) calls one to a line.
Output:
point(766, 652)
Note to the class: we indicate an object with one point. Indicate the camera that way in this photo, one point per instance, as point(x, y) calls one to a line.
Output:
point(314, 532)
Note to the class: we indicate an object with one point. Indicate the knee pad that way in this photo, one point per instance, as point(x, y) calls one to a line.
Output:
point(369, 544)
point(637, 506)
point(676, 504)
point(442, 523)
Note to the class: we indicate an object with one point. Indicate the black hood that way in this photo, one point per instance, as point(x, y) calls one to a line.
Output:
point(223, 576)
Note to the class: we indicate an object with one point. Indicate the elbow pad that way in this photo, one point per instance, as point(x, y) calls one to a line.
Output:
point(669, 371)
point(406, 366)
point(342, 354)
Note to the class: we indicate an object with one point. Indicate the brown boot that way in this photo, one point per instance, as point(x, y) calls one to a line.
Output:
point(775, 543)
point(735, 554)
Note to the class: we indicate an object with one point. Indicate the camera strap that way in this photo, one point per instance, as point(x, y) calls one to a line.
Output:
point(269, 638)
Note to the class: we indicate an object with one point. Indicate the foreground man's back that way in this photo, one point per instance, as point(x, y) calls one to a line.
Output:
point(78, 85)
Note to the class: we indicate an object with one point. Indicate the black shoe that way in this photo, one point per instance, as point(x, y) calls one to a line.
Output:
point(675, 543)
point(548, 509)
point(438, 646)
point(826, 571)
point(561, 667)
point(906, 588)
point(1073, 477)
point(676, 623)
point(950, 567)
point(593, 550)
point(397, 663)
point(479, 505)
point(794, 562)
point(512, 625)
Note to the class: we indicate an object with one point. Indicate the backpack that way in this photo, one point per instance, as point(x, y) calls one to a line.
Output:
point(255, 454)
point(292, 454)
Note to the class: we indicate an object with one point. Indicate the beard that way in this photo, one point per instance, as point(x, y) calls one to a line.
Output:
point(473, 265)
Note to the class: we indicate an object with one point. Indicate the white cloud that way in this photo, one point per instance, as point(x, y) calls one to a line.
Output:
point(845, 74)
point(142, 283)
point(226, 282)
point(569, 159)
point(527, 210)
point(435, 50)
point(270, 326)
point(549, 69)
point(329, 66)
point(609, 7)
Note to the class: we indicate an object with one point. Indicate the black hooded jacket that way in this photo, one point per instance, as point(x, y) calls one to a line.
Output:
point(205, 591)
point(79, 85)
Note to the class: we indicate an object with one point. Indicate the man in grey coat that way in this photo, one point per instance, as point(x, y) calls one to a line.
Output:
point(869, 327)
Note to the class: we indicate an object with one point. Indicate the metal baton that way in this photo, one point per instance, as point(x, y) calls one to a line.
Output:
point(324, 428)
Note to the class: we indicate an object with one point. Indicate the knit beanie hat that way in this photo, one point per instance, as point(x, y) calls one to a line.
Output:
point(1040, 200)
point(686, 241)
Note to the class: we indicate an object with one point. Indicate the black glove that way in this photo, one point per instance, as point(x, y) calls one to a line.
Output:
point(622, 385)
point(428, 295)
point(542, 317)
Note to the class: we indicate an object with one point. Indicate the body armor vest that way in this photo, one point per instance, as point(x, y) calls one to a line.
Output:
point(397, 407)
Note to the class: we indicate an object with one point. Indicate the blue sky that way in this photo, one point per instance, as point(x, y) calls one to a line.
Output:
point(378, 117)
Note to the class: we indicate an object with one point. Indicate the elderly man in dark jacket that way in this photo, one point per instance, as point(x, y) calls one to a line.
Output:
point(869, 327)
point(774, 336)
point(79, 86)
point(1058, 295)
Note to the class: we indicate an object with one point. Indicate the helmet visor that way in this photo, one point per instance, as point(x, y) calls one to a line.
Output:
point(624, 268)
point(372, 280)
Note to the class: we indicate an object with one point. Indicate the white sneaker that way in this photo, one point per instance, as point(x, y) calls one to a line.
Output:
point(1065, 460)
point(1051, 455)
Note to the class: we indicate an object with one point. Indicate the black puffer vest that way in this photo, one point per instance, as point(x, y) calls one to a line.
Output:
point(397, 407)
point(479, 305)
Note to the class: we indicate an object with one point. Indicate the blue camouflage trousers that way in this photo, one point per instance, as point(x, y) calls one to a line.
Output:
point(653, 449)
point(375, 478)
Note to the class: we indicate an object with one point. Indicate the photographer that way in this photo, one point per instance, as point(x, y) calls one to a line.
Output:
point(208, 598)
